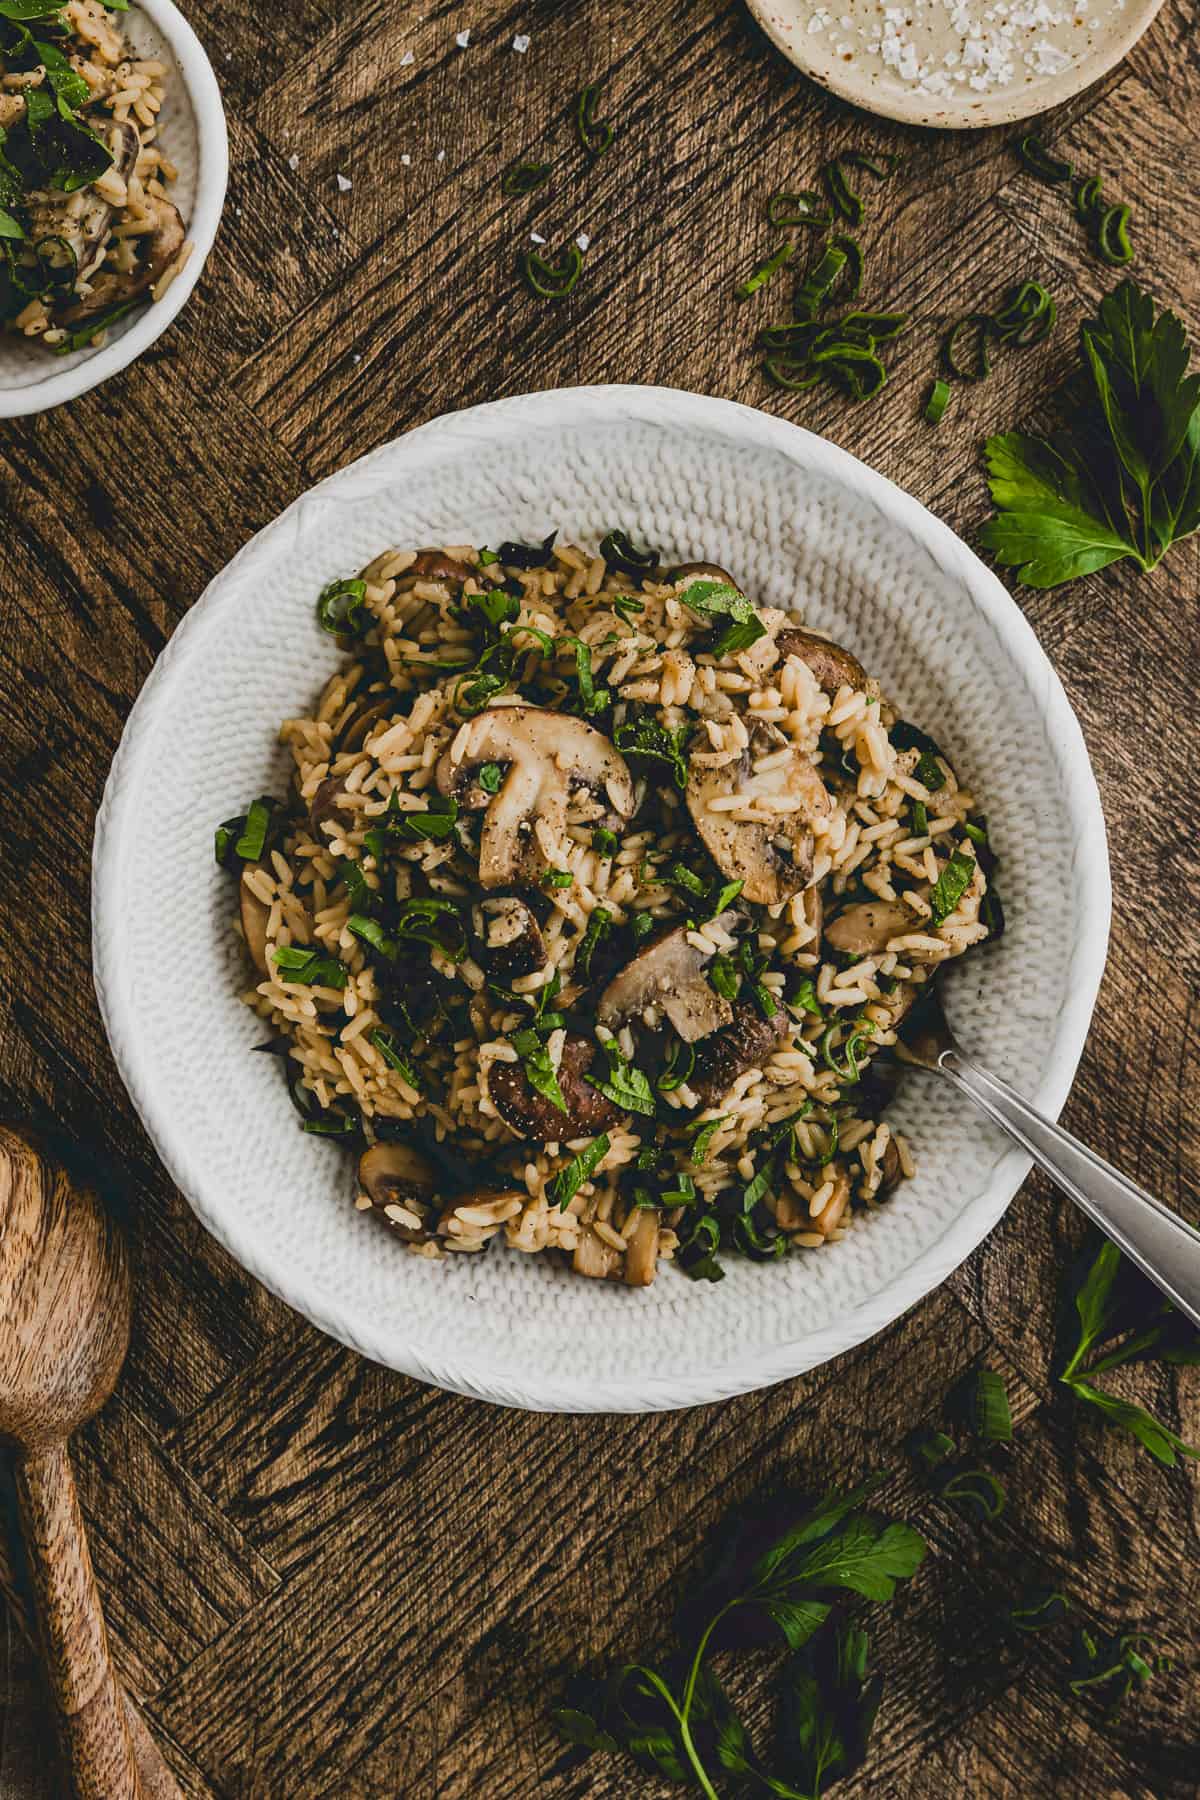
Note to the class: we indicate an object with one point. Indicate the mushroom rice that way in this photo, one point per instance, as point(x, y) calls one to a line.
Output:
point(595, 907)
point(87, 230)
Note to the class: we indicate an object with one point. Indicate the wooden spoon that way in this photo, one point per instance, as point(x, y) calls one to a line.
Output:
point(64, 1330)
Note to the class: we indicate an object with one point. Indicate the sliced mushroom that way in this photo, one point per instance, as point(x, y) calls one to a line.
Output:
point(747, 1043)
point(702, 571)
point(670, 974)
point(814, 915)
point(86, 231)
point(593, 1257)
point(868, 926)
point(392, 1176)
point(360, 724)
point(532, 1115)
point(12, 110)
point(832, 666)
point(893, 1170)
point(546, 756)
point(772, 861)
point(255, 914)
point(436, 565)
point(513, 943)
point(110, 288)
point(326, 806)
point(641, 1257)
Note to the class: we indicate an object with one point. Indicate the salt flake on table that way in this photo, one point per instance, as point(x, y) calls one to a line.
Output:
point(462, 39)
point(520, 43)
point(583, 240)
point(535, 237)
point(406, 59)
point(344, 184)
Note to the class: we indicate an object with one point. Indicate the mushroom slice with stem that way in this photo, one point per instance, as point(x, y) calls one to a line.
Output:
point(771, 853)
point(254, 914)
point(593, 1257)
point(85, 232)
point(669, 974)
point(393, 1177)
point(546, 756)
point(832, 666)
point(641, 1255)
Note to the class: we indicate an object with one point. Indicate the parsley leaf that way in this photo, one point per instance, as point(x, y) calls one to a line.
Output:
point(625, 1085)
point(581, 1168)
point(1121, 478)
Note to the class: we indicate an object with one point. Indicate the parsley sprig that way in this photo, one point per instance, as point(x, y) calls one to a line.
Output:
point(674, 1716)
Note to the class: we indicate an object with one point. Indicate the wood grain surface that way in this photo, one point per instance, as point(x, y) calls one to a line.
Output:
point(320, 1578)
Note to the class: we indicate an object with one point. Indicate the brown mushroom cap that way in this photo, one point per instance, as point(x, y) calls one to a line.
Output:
point(832, 666)
point(436, 565)
point(893, 1171)
point(109, 288)
point(532, 1115)
point(668, 973)
point(593, 1257)
point(254, 915)
point(393, 1175)
point(771, 861)
point(546, 755)
point(746, 1043)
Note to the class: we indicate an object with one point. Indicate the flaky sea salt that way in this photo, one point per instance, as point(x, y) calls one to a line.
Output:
point(462, 39)
point(520, 43)
point(958, 47)
point(406, 59)
point(344, 184)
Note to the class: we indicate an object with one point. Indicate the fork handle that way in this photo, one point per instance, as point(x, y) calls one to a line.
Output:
point(1161, 1244)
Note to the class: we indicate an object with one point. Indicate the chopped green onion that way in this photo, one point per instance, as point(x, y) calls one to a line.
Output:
point(976, 833)
point(385, 1043)
point(725, 897)
point(1026, 315)
point(308, 968)
point(1112, 237)
point(936, 401)
point(604, 842)
point(620, 553)
point(920, 818)
point(625, 1085)
point(682, 877)
point(785, 372)
point(801, 207)
point(783, 254)
point(641, 924)
point(598, 927)
point(929, 772)
point(950, 886)
point(805, 998)
point(981, 367)
point(527, 556)
point(830, 1151)
point(818, 284)
point(547, 281)
point(490, 777)
point(977, 1491)
point(434, 922)
point(681, 1061)
point(933, 1448)
point(523, 178)
point(372, 933)
point(557, 878)
point(581, 1168)
point(253, 839)
point(341, 609)
point(723, 977)
point(1040, 162)
point(646, 738)
point(1088, 197)
point(704, 1130)
point(593, 133)
point(986, 1405)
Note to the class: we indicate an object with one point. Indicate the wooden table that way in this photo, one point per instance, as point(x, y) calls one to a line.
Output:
point(323, 1579)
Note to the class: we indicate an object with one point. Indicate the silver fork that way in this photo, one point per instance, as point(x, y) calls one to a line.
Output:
point(1163, 1246)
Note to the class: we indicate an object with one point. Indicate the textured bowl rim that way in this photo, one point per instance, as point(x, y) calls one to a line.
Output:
point(924, 109)
point(212, 179)
point(545, 1389)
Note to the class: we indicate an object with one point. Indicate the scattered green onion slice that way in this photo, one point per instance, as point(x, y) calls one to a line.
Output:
point(981, 367)
point(801, 207)
point(385, 1043)
point(786, 372)
point(581, 1168)
point(523, 178)
point(1112, 237)
point(1040, 161)
point(988, 1411)
point(936, 401)
point(308, 968)
point(783, 254)
point(1088, 196)
point(594, 134)
point(852, 251)
point(820, 281)
point(842, 197)
point(489, 778)
point(620, 553)
point(341, 609)
point(978, 1491)
point(1026, 315)
point(548, 282)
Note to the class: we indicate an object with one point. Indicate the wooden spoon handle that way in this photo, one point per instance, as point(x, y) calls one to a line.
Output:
point(90, 1704)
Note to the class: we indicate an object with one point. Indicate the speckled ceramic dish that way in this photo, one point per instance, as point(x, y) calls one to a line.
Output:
point(956, 64)
point(807, 528)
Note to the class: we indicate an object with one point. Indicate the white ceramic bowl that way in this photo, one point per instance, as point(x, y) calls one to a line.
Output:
point(804, 525)
point(831, 42)
point(195, 139)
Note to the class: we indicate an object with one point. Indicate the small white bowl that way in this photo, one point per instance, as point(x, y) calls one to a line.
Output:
point(805, 526)
point(32, 379)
